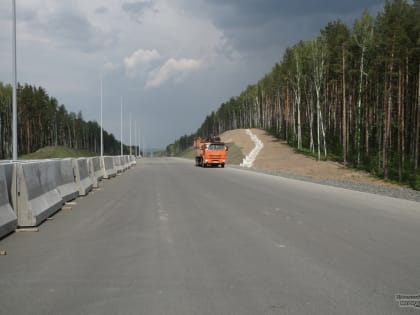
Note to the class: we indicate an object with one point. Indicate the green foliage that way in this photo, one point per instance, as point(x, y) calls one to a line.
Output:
point(42, 121)
point(415, 181)
point(56, 152)
point(189, 153)
point(181, 145)
point(357, 88)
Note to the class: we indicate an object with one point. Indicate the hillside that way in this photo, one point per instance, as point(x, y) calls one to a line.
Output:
point(349, 94)
point(278, 156)
point(51, 152)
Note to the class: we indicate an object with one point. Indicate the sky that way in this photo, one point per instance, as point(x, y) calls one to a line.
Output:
point(171, 62)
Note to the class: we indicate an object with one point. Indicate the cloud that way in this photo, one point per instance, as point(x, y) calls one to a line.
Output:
point(74, 28)
point(173, 69)
point(249, 13)
point(233, 43)
point(137, 9)
point(140, 61)
point(109, 66)
point(65, 27)
point(254, 27)
point(101, 10)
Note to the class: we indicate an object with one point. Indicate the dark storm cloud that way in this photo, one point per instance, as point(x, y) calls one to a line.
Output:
point(249, 13)
point(258, 25)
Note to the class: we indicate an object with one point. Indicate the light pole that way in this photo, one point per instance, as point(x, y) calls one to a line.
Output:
point(139, 141)
point(14, 124)
point(130, 133)
point(121, 125)
point(135, 137)
point(143, 144)
point(102, 135)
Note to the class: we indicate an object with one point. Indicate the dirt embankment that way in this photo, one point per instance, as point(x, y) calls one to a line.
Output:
point(279, 156)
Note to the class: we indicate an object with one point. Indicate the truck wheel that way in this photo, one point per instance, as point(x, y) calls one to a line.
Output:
point(222, 165)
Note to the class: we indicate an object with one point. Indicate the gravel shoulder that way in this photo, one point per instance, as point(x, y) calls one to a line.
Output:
point(278, 158)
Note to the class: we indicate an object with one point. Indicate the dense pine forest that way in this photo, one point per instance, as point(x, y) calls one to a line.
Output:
point(42, 121)
point(351, 95)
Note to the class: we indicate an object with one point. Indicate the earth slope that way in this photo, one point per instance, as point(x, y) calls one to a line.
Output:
point(280, 157)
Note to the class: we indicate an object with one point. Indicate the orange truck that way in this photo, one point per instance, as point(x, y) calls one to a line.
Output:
point(210, 152)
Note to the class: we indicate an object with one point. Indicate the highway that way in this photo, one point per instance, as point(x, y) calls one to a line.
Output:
point(167, 237)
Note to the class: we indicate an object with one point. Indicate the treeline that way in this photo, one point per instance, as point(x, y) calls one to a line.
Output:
point(351, 95)
point(42, 121)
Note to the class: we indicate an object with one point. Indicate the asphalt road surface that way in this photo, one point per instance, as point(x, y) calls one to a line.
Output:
point(167, 237)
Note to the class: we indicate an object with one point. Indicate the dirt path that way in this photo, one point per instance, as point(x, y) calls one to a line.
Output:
point(279, 156)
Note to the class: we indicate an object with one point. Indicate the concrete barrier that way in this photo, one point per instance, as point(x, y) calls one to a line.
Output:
point(99, 172)
point(117, 163)
point(108, 168)
point(126, 161)
point(122, 163)
point(95, 170)
point(34, 193)
point(91, 170)
point(8, 218)
point(8, 170)
point(65, 179)
point(83, 180)
point(133, 160)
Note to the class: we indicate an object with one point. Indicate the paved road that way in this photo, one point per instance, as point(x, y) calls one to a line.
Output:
point(169, 238)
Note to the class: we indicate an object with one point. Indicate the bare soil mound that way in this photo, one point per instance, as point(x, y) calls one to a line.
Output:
point(279, 156)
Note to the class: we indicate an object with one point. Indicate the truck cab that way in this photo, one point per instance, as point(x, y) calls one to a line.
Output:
point(210, 152)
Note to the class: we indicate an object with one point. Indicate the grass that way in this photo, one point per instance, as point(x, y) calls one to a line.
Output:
point(51, 152)
point(412, 181)
point(188, 154)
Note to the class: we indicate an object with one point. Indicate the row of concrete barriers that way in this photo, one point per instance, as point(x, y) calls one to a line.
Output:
point(33, 190)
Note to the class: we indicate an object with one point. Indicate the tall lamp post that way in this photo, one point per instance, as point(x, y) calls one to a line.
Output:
point(135, 138)
point(14, 124)
point(102, 134)
point(139, 142)
point(121, 125)
point(130, 133)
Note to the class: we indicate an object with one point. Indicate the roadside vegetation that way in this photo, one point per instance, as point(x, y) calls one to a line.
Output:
point(56, 152)
point(42, 122)
point(349, 94)
point(189, 153)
